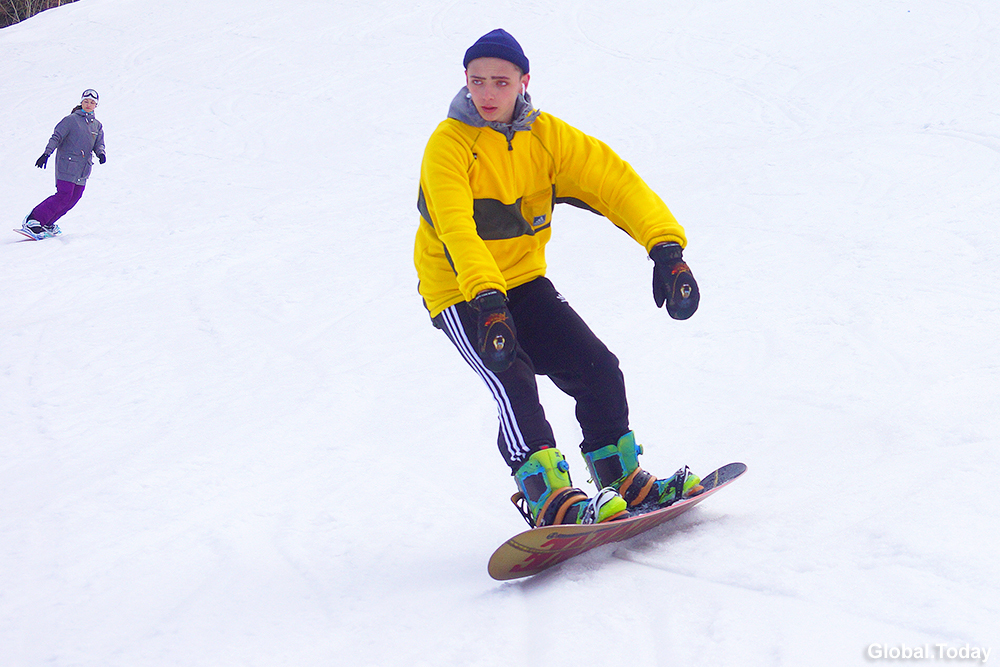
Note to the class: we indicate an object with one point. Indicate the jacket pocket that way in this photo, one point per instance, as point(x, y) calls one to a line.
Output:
point(537, 209)
point(72, 167)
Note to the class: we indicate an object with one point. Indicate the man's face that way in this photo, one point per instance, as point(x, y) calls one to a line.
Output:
point(495, 85)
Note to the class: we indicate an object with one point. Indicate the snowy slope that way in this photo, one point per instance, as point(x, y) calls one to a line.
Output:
point(229, 435)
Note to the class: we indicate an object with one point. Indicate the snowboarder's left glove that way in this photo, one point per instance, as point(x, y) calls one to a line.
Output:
point(102, 158)
point(496, 337)
point(673, 283)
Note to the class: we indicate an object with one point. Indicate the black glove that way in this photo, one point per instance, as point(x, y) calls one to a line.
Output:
point(673, 282)
point(102, 158)
point(40, 162)
point(496, 338)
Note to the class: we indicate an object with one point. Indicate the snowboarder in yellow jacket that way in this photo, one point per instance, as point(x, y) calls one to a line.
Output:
point(491, 175)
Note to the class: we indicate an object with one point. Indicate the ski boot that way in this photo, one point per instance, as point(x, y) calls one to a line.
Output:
point(617, 466)
point(546, 497)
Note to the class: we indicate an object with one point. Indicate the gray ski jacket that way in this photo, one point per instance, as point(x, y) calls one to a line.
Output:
point(75, 140)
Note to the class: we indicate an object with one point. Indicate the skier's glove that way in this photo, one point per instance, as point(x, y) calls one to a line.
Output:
point(102, 158)
point(496, 337)
point(40, 162)
point(673, 283)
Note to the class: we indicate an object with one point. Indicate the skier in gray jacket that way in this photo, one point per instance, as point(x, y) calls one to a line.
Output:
point(76, 138)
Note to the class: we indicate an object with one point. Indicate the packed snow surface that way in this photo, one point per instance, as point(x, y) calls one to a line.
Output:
point(229, 435)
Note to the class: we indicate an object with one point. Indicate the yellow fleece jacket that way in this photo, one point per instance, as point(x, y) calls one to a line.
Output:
point(486, 204)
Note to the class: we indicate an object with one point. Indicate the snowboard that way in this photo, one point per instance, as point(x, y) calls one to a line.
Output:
point(537, 549)
point(29, 236)
point(36, 238)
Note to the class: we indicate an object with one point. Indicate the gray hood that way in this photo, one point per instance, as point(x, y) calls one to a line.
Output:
point(464, 110)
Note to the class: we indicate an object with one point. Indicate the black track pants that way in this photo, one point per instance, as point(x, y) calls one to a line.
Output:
point(552, 340)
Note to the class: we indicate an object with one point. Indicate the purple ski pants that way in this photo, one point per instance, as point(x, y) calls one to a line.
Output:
point(66, 196)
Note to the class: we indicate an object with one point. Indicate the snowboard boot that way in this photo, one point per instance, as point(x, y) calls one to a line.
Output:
point(32, 227)
point(546, 497)
point(617, 466)
point(52, 230)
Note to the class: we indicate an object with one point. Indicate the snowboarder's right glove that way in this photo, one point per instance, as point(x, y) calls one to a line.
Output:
point(496, 337)
point(40, 162)
point(673, 282)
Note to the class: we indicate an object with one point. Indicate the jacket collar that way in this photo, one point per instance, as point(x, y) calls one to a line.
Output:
point(464, 110)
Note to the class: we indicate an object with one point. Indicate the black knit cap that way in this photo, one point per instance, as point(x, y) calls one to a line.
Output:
point(497, 44)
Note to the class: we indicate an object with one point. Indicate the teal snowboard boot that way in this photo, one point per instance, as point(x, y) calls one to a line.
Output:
point(32, 228)
point(546, 496)
point(617, 466)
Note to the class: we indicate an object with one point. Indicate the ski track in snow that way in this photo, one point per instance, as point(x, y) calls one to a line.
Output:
point(231, 437)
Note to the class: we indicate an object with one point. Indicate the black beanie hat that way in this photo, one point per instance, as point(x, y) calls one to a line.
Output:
point(497, 44)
